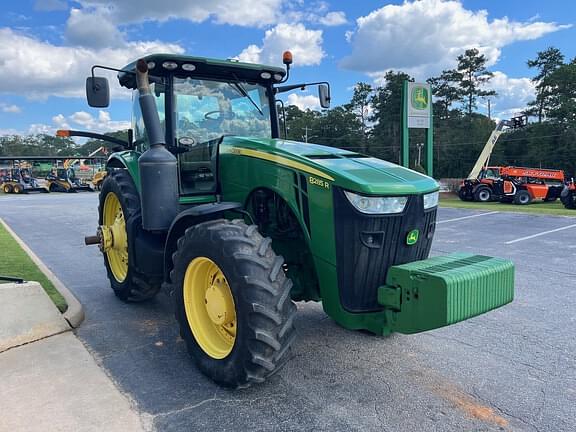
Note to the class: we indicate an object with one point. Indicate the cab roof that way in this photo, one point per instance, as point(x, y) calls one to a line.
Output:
point(202, 67)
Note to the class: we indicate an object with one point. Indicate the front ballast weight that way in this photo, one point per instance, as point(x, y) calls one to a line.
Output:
point(439, 291)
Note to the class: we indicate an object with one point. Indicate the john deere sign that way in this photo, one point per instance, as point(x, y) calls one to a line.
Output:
point(417, 114)
point(418, 105)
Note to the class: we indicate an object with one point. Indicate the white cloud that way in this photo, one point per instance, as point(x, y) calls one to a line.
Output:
point(333, 19)
point(45, 70)
point(60, 122)
point(9, 131)
point(306, 46)
point(513, 94)
point(304, 101)
point(92, 30)
point(238, 12)
point(100, 124)
point(425, 37)
point(41, 129)
point(8, 108)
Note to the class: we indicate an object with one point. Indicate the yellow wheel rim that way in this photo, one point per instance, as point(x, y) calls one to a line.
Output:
point(210, 307)
point(115, 238)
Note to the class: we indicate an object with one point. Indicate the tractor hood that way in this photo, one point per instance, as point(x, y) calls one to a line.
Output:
point(346, 169)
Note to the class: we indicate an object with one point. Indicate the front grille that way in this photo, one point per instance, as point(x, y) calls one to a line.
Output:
point(366, 246)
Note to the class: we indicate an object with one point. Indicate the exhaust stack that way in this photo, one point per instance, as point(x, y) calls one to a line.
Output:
point(158, 167)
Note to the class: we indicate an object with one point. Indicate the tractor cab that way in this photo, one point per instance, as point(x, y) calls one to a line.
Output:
point(196, 110)
point(199, 101)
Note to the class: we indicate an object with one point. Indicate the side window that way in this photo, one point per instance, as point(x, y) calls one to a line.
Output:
point(140, 137)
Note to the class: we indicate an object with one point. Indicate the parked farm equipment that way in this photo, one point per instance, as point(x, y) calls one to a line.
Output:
point(237, 223)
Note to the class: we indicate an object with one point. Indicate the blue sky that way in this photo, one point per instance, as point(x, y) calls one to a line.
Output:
point(47, 46)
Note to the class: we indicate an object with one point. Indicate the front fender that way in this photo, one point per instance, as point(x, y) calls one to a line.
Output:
point(188, 218)
point(129, 160)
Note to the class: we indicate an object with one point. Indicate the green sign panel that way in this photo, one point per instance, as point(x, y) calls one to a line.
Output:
point(418, 108)
point(417, 114)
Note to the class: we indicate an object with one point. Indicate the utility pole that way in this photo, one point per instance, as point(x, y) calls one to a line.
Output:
point(489, 111)
point(419, 146)
point(306, 134)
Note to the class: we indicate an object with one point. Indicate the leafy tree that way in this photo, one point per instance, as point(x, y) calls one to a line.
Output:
point(546, 62)
point(360, 106)
point(92, 145)
point(446, 91)
point(340, 127)
point(562, 94)
point(473, 76)
point(300, 123)
point(36, 145)
point(386, 114)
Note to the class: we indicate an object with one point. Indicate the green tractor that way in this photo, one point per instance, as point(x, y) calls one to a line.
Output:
point(208, 202)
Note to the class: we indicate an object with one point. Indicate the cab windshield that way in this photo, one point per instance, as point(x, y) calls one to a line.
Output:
point(206, 110)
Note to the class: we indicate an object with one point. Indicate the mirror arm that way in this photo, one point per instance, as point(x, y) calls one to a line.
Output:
point(283, 89)
point(107, 68)
point(69, 133)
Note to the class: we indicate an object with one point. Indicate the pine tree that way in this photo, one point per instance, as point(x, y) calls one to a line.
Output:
point(546, 62)
point(474, 76)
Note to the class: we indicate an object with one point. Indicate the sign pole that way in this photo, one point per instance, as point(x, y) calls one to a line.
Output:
point(430, 146)
point(405, 148)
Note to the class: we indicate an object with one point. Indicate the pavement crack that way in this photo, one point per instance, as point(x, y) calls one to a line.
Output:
point(35, 340)
point(212, 399)
point(503, 411)
point(501, 356)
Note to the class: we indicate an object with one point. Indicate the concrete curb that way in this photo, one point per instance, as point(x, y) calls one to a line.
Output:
point(74, 315)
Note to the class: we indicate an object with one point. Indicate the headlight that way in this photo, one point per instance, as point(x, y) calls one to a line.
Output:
point(377, 205)
point(431, 200)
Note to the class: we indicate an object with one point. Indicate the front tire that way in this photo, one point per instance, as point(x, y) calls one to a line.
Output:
point(120, 206)
point(7, 188)
point(483, 194)
point(243, 337)
point(463, 195)
point(522, 198)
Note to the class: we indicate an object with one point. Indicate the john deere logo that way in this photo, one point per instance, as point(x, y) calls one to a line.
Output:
point(419, 98)
point(412, 237)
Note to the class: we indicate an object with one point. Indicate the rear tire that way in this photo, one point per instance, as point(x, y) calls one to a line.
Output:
point(7, 188)
point(134, 287)
point(568, 198)
point(483, 194)
point(17, 189)
point(522, 198)
point(263, 310)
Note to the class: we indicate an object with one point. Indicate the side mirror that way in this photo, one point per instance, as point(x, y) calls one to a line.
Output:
point(324, 95)
point(97, 92)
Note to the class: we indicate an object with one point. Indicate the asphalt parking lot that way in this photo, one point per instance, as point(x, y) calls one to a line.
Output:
point(511, 369)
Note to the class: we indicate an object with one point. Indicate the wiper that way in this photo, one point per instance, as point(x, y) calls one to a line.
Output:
point(244, 93)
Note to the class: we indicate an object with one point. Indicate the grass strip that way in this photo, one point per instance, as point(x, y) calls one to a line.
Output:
point(555, 208)
point(15, 262)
